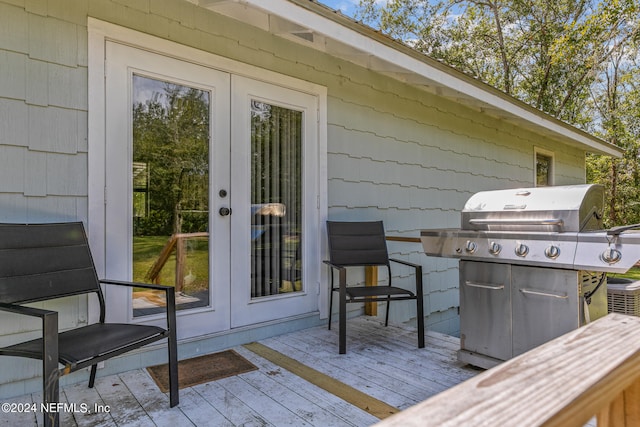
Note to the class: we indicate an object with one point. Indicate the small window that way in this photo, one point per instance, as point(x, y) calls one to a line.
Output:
point(544, 169)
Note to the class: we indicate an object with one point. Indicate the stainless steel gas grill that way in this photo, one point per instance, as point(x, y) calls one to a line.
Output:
point(533, 266)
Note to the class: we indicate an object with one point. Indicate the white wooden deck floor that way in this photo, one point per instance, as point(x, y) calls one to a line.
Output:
point(382, 362)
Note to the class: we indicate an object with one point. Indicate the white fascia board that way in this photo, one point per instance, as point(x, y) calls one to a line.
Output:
point(317, 23)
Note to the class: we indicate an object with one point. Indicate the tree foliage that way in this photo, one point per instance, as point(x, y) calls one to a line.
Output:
point(573, 59)
point(617, 108)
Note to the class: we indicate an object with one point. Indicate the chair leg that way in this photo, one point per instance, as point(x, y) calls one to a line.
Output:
point(92, 375)
point(420, 310)
point(174, 397)
point(172, 349)
point(51, 395)
point(420, 307)
point(330, 304)
point(343, 312)
point(50, 373)
point(386, 318)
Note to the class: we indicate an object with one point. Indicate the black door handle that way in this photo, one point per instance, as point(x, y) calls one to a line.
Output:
point(224, 211)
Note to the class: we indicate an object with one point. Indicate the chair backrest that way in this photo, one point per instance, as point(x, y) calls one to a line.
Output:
point(357, 243)
point(45, 261)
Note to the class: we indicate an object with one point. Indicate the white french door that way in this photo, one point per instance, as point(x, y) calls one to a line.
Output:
point(275, 213)
point(211, 186)
point(167, 158)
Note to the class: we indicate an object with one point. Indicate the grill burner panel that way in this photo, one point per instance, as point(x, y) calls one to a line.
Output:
point(593, 250)
point(556, 227)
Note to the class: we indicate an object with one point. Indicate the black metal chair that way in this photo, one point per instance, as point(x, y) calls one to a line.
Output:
point(40, 262)
point(361, 244)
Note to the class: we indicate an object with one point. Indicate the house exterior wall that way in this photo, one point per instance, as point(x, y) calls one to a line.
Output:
point(394, 153)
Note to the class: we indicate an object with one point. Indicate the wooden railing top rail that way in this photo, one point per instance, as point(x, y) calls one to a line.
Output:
point(403, 239)
point(593, 370)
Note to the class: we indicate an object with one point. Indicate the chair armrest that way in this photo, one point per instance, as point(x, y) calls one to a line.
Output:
point(171, 298)
point(410, 264)
point(418, 268)
point(27, 311)
point(49, 345)
point(332, 265)
point(342, 275)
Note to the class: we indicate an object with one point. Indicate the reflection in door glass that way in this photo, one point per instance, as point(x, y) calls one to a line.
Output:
point(276, 200)
point(170, 193)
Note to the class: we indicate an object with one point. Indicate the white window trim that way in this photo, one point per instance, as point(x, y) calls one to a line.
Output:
point(99, 32)
point(552, 172)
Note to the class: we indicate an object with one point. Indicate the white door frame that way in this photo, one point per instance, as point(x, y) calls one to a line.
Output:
point(99, 33)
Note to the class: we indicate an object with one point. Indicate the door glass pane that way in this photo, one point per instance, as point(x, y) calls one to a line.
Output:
point(276, 200)
point(170, 193)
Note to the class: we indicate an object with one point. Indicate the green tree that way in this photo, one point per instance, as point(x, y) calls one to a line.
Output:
point(617, 107)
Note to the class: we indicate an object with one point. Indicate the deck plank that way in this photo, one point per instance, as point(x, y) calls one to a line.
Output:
point(153, 401)
point(232, 408)
point(298, 404)
point(352, 377)
point(14, 417)
point(388, 346)
point(66, 417)
point(383, 372)
point(265, 404)
point(125, 408)
point(349, 415)
point(200, 411)
point(401, 367)
point(80, 394)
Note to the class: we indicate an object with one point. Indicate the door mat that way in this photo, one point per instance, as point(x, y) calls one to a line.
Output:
point(202, 369)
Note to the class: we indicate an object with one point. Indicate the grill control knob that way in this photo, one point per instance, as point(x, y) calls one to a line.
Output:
point(494, 248)
point(611, 256)
point(522, 250)
point(552, 252)
point(470, 247)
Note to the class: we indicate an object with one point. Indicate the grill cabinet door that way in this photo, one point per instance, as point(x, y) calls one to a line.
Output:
point(545, 305)
point(485, 309)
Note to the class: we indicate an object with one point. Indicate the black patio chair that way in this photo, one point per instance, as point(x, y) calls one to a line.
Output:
point(362, 244)
point(41, 262)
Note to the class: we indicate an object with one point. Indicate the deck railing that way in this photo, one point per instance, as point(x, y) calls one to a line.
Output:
point(591, 371)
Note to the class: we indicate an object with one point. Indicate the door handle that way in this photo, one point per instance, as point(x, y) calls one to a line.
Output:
point(543, 294)
point(484, 285)
point(224, 211)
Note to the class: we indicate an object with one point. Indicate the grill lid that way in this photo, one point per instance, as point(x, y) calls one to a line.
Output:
point(560, 209)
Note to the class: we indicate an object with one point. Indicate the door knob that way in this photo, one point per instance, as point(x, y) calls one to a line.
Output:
point(224, 211)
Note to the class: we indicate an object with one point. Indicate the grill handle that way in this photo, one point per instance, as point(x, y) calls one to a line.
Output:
point(543, 294)
point(551, 221)
point(483, 285)
point(615, 231)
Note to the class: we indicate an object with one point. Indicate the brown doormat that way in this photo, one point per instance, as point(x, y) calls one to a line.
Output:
point(202, 369)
